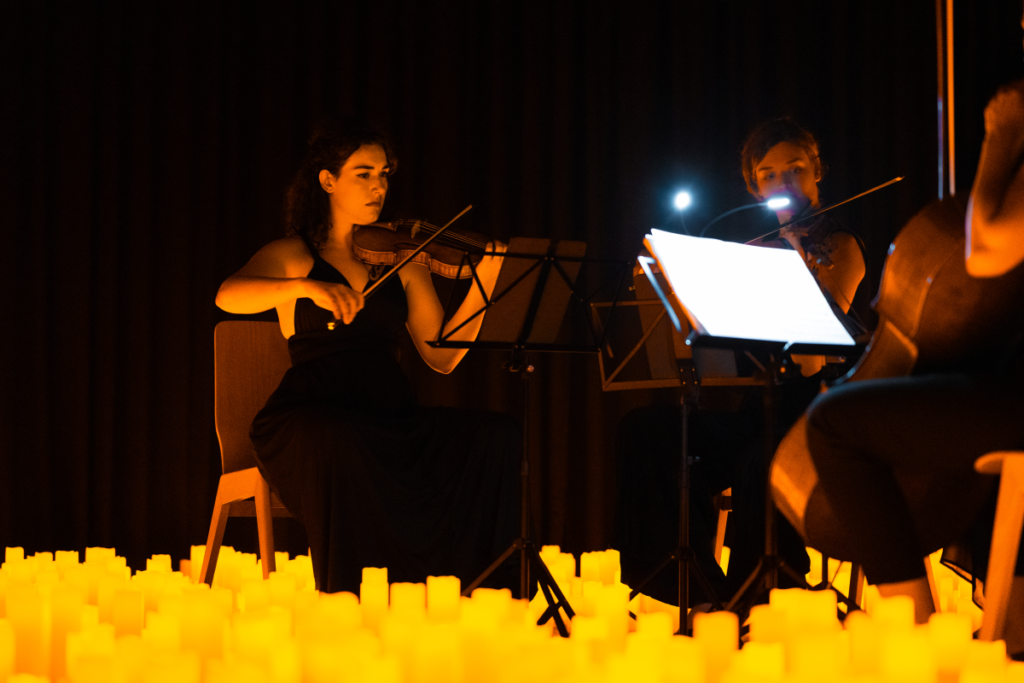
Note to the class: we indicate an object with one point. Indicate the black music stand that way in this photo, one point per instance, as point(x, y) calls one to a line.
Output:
point(536, 284)
point(704, 268)
point(669, 364)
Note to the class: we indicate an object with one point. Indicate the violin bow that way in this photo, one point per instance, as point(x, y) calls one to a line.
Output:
point(827, 208)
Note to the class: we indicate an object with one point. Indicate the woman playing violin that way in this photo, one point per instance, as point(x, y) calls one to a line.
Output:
point(376, 479)
point(779, 158)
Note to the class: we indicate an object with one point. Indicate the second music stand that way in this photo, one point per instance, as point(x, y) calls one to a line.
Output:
point(536, 284)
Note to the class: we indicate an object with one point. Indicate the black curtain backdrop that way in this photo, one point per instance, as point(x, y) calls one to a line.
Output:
point(146, 148)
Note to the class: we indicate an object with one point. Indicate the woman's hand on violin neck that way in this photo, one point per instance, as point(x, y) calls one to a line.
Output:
point(344, 302)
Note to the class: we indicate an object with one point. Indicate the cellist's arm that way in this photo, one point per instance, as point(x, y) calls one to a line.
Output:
point(995, 214)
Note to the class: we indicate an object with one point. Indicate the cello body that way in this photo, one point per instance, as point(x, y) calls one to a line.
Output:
point(933, 317)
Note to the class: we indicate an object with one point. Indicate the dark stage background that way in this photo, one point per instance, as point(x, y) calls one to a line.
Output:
point(146, 148)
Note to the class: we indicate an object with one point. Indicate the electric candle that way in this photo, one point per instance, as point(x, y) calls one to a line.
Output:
point(282, 589)
point(865, 638)
point(718, 634)
point(67, 602)
point(7, 649)
point(683, 661)
point(949, 635)
point(29, 613)
point(254, 595)
point(760, 662)
point(612, 604)
point(437, 655)
point(443, 605)
point(590, 567)
point(906, 657)
point(409, 601)
point(129, 611)
point(373, 596)
point(609, 560)
point(162, 631)
point(90, 653)
point(203, 625)
point(657, 624)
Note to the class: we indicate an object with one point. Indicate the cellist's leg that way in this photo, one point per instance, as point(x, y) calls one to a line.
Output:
point(895, 462)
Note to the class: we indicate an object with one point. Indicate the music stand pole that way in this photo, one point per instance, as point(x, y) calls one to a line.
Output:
point(683, 553)
point(765, 575)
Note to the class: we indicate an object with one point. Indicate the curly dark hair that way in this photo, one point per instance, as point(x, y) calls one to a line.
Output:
point(307, 208)
point(770, 133)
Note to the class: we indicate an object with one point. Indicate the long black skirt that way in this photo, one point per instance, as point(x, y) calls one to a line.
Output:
point(379, 481)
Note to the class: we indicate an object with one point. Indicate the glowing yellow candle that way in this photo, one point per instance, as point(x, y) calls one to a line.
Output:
point(202, 625)
point(906, 656)
point(14, 554)
point(129, 610)
point(987, 658)
point(757, 662)
point(718, 633)
point(373, 600)
point(282, 590)
point(342, 610)
point(658, 624)
point(67, 604)
point(590, 567)
point(612, 604)
point(99, 555)
point(768, 624)
point(6, 649)
point(823, 655)
point(609, 566)
point(409, 601)
point(949, 634)
point(254, 596)
point(29, 613)
point(895, 613)
point(865, 636)
point(90, 653)
point(397, 637)
point(162, 631)
point(683, 661)
point(443, 604)
point(106, 588)
point(589, 638)
point(196, 555)
point(286, 663)
point(437, 655)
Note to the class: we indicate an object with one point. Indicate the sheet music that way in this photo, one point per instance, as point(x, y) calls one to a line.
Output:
point(746, 292)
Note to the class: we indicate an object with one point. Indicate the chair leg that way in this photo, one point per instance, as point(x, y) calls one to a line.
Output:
point(1005, 544)
point(723, 518)
point(265, 527)
point(932, 585)
point(857, 581)
point(216, 535)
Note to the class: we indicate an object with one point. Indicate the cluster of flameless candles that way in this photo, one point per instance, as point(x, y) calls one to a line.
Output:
point(62, 619)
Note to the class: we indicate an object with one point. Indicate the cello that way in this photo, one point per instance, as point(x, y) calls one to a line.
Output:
point(933, 316)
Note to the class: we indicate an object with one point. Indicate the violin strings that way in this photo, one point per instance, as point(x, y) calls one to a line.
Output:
point(454, 237)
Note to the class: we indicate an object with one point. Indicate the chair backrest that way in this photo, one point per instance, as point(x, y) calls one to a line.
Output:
point(250, 358)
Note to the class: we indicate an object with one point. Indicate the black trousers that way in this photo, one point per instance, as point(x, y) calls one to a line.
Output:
point(895, 459)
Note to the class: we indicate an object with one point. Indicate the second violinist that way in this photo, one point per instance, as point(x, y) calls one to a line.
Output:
point(779, 158)
point(376, 479)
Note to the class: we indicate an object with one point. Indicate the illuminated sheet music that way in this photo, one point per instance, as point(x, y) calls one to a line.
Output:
point(746, 292)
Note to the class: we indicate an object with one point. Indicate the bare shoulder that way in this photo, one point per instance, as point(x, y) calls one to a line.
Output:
point(285, 257)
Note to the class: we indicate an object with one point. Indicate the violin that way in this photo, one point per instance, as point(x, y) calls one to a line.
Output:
point(386, 244)
point(933, 316)
point(402, 242)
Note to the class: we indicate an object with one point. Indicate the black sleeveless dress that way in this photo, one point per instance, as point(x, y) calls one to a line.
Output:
point(376, 479)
